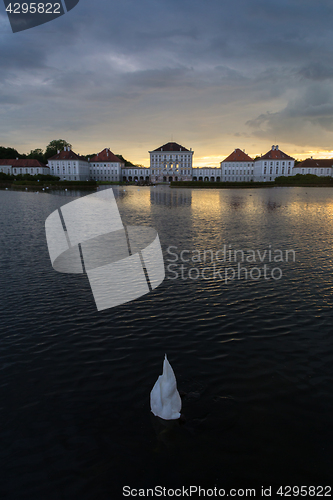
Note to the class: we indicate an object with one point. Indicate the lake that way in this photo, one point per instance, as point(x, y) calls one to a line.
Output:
point(252, 350)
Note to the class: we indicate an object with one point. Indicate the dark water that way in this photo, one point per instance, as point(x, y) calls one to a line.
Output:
point(253, 357)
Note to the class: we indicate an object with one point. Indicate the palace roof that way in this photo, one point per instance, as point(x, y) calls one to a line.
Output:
point(238, 155)
point(275, 154)
point(313, 163)
point(107, 156)
point(170, 146)
point(67, 154)
point(22, 163)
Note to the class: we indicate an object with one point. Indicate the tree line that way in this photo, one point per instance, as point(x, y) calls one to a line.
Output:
point(51, 150)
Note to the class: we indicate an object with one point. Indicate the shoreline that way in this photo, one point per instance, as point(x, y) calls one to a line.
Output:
point(270, 185)
point(44, 187)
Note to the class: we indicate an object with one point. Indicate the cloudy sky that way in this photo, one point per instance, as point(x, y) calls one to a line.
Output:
point(212, 75)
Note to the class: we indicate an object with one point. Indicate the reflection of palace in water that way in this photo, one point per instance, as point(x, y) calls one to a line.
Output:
point(171, 198)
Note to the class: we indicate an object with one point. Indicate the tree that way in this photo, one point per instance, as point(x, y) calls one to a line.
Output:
point(54, 146)
point(89, 156)
point(37, 154)
point(9, 153)
point(127, 163)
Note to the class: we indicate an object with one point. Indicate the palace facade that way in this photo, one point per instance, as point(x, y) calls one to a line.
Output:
point(170, 162)
point(237, 167)
point(69, 166)
point(24, 166)
point(106, 166)
point(322, 168)
point(273, 164)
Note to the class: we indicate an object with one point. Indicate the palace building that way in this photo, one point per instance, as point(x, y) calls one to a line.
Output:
point(273, 164)
point(171, 162)
point(211, 174)
point(106, 166)
point(322, 168)
point(137, 173)
point(24, 166)
point(69, 166)
point(237, 167)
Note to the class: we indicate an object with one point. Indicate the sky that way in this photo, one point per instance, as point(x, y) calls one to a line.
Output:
point(212, 75)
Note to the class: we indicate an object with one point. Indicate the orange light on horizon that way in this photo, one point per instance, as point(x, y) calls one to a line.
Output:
point(320, 155)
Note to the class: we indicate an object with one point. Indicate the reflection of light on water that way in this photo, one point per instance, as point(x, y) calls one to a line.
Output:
point(265, 344)
point(136, 198)
point(207, 202)
point(308, 206)
point(257, 215)
point(215, 204)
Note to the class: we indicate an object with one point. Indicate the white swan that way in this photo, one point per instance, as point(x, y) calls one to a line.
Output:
point(165, 401)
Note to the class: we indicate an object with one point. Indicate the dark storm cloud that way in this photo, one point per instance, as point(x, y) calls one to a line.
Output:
point(317, 71)
point(308, 113)
point(227, 53)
